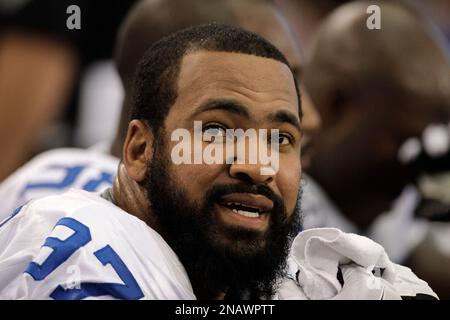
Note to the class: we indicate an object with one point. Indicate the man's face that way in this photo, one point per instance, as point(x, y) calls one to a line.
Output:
point(356, 160)
point(233, 211)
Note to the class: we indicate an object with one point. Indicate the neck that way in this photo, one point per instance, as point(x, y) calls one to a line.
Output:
point(131, 197)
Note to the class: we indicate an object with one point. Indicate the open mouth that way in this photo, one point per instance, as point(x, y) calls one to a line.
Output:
point(247, 210)
point(243, 210)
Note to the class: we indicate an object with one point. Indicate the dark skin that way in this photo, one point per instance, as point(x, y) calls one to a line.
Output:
point(264, 88)
point(371, 98)
point(262, 19)
point(268, 22)
point(356, 161)
point(305, 16)
point(376, 91)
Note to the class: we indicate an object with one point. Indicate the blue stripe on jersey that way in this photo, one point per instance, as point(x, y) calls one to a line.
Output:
point(70, 175)
point(93, 184)
point(130, 290)
point(62, 249)
point(69, 178)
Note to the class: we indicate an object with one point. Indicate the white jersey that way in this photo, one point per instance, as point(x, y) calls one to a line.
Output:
point(80, 246)
point(54, 172)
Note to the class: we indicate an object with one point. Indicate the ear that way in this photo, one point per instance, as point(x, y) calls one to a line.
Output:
point(137, 149)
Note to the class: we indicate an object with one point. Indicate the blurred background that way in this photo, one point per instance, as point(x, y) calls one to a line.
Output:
point(376, 103)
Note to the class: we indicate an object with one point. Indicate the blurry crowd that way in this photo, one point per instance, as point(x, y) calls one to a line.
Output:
point(376, 102)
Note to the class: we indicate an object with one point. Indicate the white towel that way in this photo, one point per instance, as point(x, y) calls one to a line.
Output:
point(317, 256)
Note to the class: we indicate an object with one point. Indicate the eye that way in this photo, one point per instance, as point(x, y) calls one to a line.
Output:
point(214, 132)
point(282, 139)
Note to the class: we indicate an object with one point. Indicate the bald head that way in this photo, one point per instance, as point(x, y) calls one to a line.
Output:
point(375, 89)
point(406, 55)
point(150, 20)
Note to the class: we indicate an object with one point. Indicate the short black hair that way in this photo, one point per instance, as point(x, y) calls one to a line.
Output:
point(154, 88)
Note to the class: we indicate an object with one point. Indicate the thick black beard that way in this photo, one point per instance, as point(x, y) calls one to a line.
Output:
point(219, 257)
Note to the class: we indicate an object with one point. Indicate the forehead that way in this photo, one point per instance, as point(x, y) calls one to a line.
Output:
point(251, 79)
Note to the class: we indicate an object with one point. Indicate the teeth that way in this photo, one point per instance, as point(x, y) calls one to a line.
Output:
point(230, 204)
point(247, 213)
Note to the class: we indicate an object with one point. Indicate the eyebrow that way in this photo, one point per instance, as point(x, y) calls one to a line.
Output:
point(233, 106)
point(227, 105)
point(285, 117)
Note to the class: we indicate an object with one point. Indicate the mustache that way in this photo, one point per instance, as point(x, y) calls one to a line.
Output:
point(218, 191)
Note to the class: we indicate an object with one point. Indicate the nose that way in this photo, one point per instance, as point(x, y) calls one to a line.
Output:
point(254, 173)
